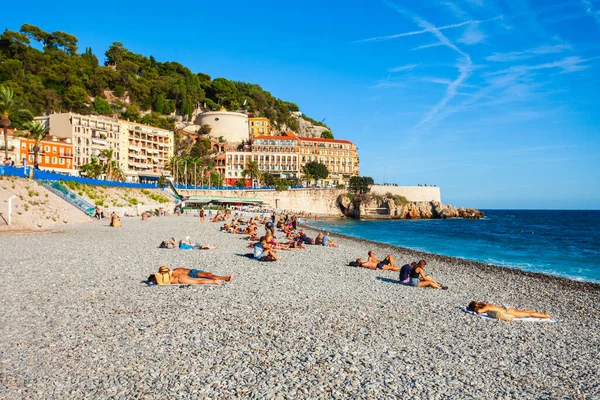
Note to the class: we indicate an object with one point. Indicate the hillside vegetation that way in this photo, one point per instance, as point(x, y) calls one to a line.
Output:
point(59, 78)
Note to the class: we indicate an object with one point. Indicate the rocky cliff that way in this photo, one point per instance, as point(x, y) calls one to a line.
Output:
point(384, 207)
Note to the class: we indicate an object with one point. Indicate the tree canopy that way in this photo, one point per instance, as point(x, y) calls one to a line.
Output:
point(316, 170)
point(57, 78)
point(360, 184)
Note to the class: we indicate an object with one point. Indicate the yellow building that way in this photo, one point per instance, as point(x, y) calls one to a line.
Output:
point(259, 126)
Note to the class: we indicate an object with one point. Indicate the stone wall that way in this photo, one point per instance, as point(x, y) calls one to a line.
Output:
point(412, 193)
point(318, 201)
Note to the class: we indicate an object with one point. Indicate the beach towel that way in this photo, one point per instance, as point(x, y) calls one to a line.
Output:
point(528, 319)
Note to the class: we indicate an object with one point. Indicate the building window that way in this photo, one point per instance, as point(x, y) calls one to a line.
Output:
point(30, 158)
point(61, 161)
point(54, 149)
point(47, 159)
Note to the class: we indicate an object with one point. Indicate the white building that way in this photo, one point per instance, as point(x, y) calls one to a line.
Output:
point(232, 126)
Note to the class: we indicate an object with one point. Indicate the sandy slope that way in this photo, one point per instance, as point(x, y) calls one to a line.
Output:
point(35, 207)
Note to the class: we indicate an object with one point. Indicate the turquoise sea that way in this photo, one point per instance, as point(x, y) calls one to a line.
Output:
point(555, 242)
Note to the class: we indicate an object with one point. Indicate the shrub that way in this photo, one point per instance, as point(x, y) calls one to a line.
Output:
point(99, 203)
point(133, 201)
point(400, 200)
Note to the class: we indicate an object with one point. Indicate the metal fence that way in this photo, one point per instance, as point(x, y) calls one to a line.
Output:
point(52, 176)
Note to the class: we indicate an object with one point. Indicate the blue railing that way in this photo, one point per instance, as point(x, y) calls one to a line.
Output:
point(70, 197)
point(53, 176)
point(189, 187)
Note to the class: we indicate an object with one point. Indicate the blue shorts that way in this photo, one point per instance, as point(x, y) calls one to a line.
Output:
point(194, 273)
point(261, 255)
point(414, 282)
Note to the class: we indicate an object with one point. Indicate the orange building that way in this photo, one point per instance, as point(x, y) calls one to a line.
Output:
point(55, 155)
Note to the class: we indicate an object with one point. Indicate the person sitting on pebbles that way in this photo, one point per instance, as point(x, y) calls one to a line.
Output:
point(186, 276)
point(419, 279)
point(188, 245)
point(263, 251)
point(115, 221)
point(482, 307)
point(387, 264)
point(327, 241)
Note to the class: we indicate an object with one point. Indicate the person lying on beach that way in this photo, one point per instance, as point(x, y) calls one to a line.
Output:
point(188, 245)
point(289, 245)
point(305, 239)
point(419, 279)
point(263, 251)
point(388, 263)
point(168, 244)
point(186, 277)
point(482, 307)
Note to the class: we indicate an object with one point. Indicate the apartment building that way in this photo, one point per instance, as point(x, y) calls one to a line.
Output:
point(148, 151)
point(141, 151)
point(259, 126)
point(286, 156)
point(339, 156)
point(90, 134)
point(55, 154)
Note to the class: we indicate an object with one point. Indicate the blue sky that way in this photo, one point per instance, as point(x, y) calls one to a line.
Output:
point(495, 101)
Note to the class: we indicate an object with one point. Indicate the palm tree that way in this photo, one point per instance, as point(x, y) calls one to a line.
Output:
point(8, 108)
point(253, 170)
point(36, 131)
point(92, 169)
point(111, 167)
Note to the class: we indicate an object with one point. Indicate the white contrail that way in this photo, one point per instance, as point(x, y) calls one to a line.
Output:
point(427, 30)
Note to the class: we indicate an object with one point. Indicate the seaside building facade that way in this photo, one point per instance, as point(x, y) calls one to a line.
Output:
point(286, 156)
point(259, 126)
point(55, 153)
point(148, 151)
point(90, 134)
point(140, 151)
point(339, 156)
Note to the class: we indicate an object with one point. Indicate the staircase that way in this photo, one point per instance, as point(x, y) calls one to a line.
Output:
point(171, 191)
point(70, 197)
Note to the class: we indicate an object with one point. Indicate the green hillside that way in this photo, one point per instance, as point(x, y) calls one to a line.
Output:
point(59, 78)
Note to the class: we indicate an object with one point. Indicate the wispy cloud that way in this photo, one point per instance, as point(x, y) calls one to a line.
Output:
point(465, 65)
point(403, 68)
point(472, 35)
point(427, 46)
point(425, 30)
point(567, 65)
point(522, 55)
point(589, 9)
point(458, 12)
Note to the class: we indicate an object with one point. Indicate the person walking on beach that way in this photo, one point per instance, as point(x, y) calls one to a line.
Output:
point(202, 216)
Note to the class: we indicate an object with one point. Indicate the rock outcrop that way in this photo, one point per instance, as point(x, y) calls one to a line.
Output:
point(382, 207)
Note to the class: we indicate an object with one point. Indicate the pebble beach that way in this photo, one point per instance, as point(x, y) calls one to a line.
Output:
point(78, 322)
